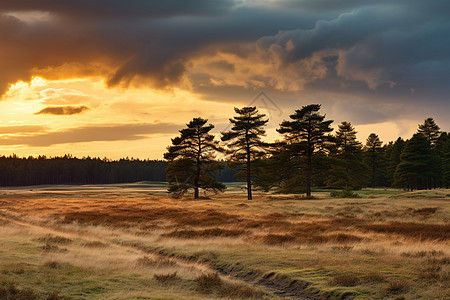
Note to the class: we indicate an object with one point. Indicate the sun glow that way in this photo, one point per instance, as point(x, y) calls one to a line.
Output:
point(123, 109)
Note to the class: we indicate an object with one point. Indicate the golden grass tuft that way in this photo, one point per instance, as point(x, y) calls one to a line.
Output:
point(374, 277)
point(94, 244)
point(212, 284)
point(11, 292)
point(439, 232)
point(169, 278)
point(205, 233)
point(48, 247)
point(55, 239)
point(345, 280)
point(208, 283)
point(397, 287)
point(159, 262)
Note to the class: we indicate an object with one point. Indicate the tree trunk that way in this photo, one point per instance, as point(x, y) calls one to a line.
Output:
point(249, 178)
point(308, 176)
point(196, 179)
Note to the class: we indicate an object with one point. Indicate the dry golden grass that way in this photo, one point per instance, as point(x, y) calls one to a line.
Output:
point(372, 247)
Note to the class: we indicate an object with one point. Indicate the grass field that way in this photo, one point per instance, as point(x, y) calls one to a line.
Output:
point(132, 241)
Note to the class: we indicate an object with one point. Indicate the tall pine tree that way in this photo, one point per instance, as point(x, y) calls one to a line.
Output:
point(418, 168)
point(348, 169)
point(191, 160)
point(430, 130)
point(393, 152)
point(445, 158)
point(374, 159)
point(305, 138)
point(244, 141)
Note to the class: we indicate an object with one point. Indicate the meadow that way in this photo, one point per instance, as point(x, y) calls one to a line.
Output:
point(133, 241)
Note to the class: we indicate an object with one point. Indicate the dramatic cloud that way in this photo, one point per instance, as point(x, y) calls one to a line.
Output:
point(368, 61)
point(62, 110)
point(298, 42)
point(126, 132)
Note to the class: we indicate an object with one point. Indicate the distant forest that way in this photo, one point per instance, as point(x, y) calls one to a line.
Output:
point(15, 171)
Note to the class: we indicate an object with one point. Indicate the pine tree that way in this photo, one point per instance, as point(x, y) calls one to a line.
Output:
point(393, 152)
point(418, 168)
point(191, 160)
point(348, 169)
point(305, 138)
point(244, 141)
point(442, 151)
point(430, 130)
point(446, 165)
point(374, 158)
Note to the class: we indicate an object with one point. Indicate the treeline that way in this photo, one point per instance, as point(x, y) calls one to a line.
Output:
point(15, 171)
point(308, 155)
point(341, 161)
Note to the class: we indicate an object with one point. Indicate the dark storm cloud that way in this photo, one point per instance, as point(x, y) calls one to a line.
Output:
point(62, 110)
point(374, 49)
point(129, 39)
point(126, 132)
point(120, 9)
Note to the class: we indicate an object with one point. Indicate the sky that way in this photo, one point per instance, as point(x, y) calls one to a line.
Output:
point(119, 78)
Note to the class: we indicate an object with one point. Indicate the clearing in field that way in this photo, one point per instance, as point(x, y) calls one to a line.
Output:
point(131, 241)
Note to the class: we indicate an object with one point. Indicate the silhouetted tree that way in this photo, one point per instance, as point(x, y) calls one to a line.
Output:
point(348, 169)
point(374, 158)
point(393, 152)
point(440, 151)
point(304, 138)
point(191, 160)
point(445, 163)
point(244, 144)
point(430, 130)
point(418, 167)
point(72, 170)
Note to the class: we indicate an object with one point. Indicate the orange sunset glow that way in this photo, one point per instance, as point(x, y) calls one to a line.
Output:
point(120, 79)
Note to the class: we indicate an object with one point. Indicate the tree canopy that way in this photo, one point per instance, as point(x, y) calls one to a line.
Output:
point(305, 136)
point(348, 170)
point(244, 144)
point(191, 157)
point(430, 130)
point(418, 168)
